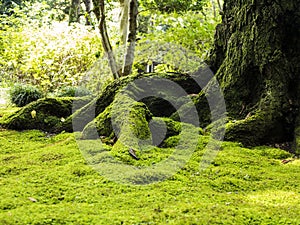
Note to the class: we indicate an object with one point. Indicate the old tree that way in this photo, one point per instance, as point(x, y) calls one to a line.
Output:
point(256, 56)
point(257, 63)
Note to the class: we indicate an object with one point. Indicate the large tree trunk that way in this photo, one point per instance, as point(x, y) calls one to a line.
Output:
point(256, 57)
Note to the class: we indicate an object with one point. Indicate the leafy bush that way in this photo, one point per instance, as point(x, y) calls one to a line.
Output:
point(71, 91)
point(44, 52)
point(178, 42)
point(22, 94)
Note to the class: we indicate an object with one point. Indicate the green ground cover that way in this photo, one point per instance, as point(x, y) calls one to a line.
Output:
point(46, 180)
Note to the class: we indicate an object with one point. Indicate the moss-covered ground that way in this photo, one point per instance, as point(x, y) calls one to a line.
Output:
point(46, 180)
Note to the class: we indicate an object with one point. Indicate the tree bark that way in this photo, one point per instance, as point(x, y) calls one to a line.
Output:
point(88, 19)
point(124, 20)
point(214, 8)
point(131, 39)
point(220, 5)
point(74, 14)
point(99, 10)
point(256, 57)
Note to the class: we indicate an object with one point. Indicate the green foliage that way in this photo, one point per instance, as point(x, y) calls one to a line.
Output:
point(35, 9)
point(37, 49)
point(178, 42)
point(170, 6)
point(22, 94)
point(71, 91)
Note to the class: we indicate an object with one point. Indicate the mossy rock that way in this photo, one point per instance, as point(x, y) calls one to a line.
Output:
point(130, 122)
point(122, 112)
point(186, 111)
point(79, 120)
point(44, 114)
point(100, 127)
point(162, 128)
point(159, 107)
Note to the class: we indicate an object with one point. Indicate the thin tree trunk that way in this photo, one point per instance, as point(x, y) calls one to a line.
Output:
point(124, 20)
point(220, 5)
point(131, 40)
point(99, 9)
point(74, 12)
point(87, 4)
point(214, 8)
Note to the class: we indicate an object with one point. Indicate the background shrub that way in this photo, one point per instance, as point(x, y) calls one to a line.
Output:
point(22, 94)
point(44, 52)
point(71, 91)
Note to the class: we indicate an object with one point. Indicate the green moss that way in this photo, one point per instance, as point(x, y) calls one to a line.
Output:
point(261, 128)
point(163, 128)
point(254, 59)
point(100, 127)
point(43, 114)
point(171, 142)
point(130, 121)
point(272, 153)
point(241, 186)
point(187, 111)
point(79, 119)
point(172, 127)
point(86, 114)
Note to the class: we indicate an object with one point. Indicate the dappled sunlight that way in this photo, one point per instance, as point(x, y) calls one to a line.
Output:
point(275, 198)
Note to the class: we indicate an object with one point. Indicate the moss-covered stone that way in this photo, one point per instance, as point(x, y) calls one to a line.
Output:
point(130, 124)
point(187, 111)
point(159, 107)
point(162, 128)
point(101, 124)
point(79, 119)
point(44, 114)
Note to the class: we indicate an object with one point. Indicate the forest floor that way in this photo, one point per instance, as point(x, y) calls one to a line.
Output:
point(46, 180)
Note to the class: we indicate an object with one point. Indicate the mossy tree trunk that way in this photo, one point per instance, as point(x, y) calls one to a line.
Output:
point(257, 62)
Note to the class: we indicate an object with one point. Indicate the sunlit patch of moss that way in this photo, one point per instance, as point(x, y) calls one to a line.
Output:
point(274, 198)
point(61, 175)
point(130, 121)
point(272, 153)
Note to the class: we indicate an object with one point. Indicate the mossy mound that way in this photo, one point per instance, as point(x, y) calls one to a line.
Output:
point(99, 127)
point(160, 128)
point(158, 106)
point(81, 118)
point(186, 110)
point(130, 124)
point(124, 111)
point(44, 114)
